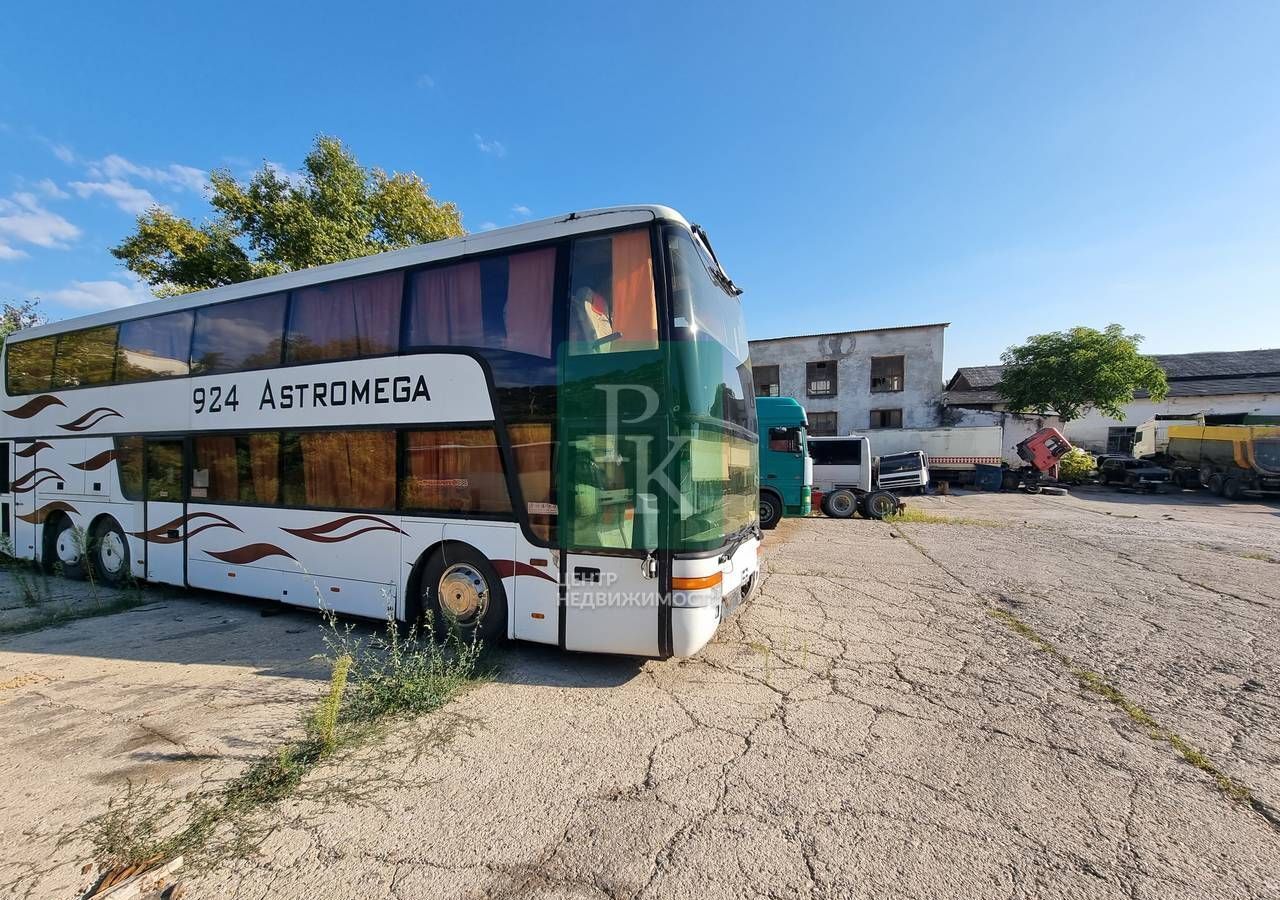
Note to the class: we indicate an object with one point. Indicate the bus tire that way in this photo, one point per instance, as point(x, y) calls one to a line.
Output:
point(879, 505)
point(1231, 488)
point(841, 504)
point(770, 511)
point(109, 551)
point(460, 592)
point(1215, 484)
point(63, 550)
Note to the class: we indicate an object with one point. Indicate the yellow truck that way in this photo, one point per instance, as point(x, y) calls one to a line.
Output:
point(1230, 460)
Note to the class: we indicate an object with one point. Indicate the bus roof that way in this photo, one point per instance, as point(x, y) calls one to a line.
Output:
point(482, 242)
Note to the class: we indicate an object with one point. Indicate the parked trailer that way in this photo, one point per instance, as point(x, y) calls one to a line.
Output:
point(1152, 437)
point(848, 479)
point(1230, 460)
point(950, 453)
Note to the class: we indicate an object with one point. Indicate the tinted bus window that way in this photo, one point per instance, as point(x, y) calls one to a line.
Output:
point(85, 357)
point(232, 337)
point(129, 466)
point(611, 299)
point(454, 471)
point(499, 303)
point(240, 469)
point(346, 320)
point(157, 347)
point(29, 366)
point(836, 453)
point(340, 469)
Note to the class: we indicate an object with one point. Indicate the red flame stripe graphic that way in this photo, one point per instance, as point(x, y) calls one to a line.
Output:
point(95, 462)
point(507, 568)
point(321, 533)
point(159, 534)
point(249, 553)
point(32, 449)
point(84, 423)
point(38, 516)
point(34, 406)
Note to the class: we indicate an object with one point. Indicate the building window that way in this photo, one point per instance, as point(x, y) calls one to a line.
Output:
point(766, 378)
point(821, 378)
point(1120, 440)
point(886, 418)
point(887, 373)
point(822, 424)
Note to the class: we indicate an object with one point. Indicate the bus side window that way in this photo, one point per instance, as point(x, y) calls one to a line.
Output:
point(164, 470)
point(611, 299)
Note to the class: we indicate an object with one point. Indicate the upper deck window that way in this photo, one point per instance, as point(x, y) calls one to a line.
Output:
point(346, 320)
point(611, 298)
point(498, 303)
point(29, 366)
point(85, 357)
point(156, 347)
point(232, 337)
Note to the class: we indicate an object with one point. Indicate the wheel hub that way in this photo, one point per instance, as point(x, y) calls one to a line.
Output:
point(111, 552)
point(464, 594)
point(68, 551)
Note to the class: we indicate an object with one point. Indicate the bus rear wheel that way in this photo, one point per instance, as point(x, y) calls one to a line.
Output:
point(840, 504)
point(1231, 488)
point(770, 511)
point(64, 548)
point(460, 593)
point(879, 505)
point(109, 551)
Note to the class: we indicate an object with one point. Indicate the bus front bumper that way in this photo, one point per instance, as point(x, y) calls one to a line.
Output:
point(706, 590)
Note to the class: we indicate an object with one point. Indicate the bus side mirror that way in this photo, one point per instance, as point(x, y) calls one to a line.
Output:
point(646, 522)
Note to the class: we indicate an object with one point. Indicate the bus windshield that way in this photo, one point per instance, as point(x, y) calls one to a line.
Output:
point(715, 400)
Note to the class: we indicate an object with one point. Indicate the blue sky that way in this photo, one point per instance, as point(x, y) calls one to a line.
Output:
point(1009, 168)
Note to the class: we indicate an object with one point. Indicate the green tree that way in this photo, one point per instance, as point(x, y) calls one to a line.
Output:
point(1071, 372)
point(336, 209)
point(20, 315)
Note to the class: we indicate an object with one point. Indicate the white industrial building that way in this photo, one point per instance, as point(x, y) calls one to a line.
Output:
point(856, 381)
point(1223, 387)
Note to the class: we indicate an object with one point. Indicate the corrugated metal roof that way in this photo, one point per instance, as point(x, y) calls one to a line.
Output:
point(972, 398)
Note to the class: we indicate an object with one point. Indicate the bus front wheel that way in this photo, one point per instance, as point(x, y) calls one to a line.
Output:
point(770, 511)
point(461, 593)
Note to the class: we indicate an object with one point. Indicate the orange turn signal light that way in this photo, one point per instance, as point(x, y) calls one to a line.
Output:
point(697, 584)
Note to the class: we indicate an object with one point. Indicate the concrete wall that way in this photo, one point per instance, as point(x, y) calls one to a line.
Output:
point(1090, 432)
point(1017, 427)
point(921, 397)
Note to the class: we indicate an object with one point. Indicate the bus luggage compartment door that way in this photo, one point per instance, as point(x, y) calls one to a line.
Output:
point(611, 605)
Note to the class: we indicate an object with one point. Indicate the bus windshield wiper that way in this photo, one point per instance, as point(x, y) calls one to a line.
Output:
point(721, 274)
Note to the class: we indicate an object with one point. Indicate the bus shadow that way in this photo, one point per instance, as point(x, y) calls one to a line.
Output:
point(547, 666)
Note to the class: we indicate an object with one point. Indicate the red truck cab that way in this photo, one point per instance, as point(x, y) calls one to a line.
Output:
point(1043, 449)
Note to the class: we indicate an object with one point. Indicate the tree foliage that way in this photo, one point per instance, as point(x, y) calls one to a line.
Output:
point(1071, 372)
point(19, 315)
point(335, 209)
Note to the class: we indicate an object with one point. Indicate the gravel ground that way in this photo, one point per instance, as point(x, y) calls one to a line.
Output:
point(899, 713)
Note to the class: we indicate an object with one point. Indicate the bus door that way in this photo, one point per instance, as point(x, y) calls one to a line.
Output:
point(7, 538)
point(19, 499)
point(165, 513)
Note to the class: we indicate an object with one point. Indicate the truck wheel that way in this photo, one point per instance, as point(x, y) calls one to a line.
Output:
point(840, 504)
point(1231, 488)
point(879, 504)
point(1215, 484)
point(770, 511)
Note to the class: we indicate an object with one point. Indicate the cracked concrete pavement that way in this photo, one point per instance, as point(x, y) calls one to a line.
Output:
point(863, 728)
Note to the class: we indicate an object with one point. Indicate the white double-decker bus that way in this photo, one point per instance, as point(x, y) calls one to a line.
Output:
point(544, 432)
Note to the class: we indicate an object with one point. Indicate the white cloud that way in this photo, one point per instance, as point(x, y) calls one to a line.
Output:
point(129, 197)
point(494, 148)
point(426, 81)
point(92, 295)
point(116, 168)
point(49, 188)
point(63, 152)
point(7, 252)
point(284, 173)
point(22, 217)
point(488, 226)
point(521, 210)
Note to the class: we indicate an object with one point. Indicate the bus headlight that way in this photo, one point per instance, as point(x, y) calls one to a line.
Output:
point(706, 590)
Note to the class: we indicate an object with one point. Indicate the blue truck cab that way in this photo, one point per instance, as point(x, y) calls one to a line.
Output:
point(786, 472)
